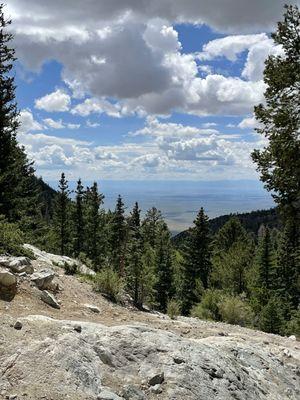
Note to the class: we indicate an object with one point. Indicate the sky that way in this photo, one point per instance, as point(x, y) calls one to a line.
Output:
point(142, 89)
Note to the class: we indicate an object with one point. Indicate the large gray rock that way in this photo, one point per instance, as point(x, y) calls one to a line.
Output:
point(43, 278)
point(17, 264)
point(8, 284)
point(55, 362)
point(58, 260)
point(49, 299)
point(7, 278)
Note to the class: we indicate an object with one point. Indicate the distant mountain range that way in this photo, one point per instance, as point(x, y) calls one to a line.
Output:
point(250, 220)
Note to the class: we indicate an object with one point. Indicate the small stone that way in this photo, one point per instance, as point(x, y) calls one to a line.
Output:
point(107, 395)
point(222, 333)
point(156, 379)
point(133, 393)
point(292, 337)
point(92, 308)
point(77, 328)
point(156, 389)
point(18, 325)
point(49, 299)
point(287, 353)
point(178, 360)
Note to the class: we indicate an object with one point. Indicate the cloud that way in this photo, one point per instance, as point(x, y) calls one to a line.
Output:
point(56, 101)
point(96, 106)
point(130, 60)
point(91, 124)
point(54, 124)
point(28, 123)
point(249, 123)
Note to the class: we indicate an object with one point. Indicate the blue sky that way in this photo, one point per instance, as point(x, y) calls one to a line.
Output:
point(142, 90)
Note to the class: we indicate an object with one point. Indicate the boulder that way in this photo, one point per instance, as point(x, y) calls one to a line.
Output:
point(8, 284)
point(7, 278)
point(156, 379)
point(131, 392)
point(17, 264)
point(49, 299)
point(43, 278)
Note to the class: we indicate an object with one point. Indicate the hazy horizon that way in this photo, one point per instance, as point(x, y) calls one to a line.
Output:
point(179, 201)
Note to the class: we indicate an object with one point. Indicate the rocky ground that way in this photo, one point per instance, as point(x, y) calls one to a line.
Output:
point(88, 348)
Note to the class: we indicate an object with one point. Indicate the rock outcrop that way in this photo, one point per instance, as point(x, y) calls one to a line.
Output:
point(50, 359)
point(8, 284)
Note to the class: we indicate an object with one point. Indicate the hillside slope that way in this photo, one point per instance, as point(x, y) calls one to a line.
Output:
point(251, 222)
point(90, 348)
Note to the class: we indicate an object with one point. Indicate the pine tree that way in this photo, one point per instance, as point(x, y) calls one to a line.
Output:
point(94, 199)
point(230, 233)
point(288, 266)
point(197, 263)
point(134, 270)
point(79, 220)
point(163, 268)
point(118, 237)
point(271, 319)
point(62, 214)
point(17, 185)
point(279, 162)
point(151, 224)
point(265, 261)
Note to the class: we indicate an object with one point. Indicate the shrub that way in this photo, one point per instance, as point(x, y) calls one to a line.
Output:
point(108, 283)
point(208, 308)
point(293, 325)
point(173, 308)
point(70, 269)
point(12, 239)
point(271, 318)
point(235, 311)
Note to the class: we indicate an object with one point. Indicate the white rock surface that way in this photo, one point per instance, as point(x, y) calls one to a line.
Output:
point(17, 264)
point(43, 278)
point(48, 359)
point(55, 259)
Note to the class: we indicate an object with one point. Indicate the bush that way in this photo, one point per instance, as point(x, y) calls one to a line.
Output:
point(108, 283)
point(235, 311)
point(293, 325)
point(173, 308)
point(12, 239)
point(208, 308)
point(70, 269)
point(271, 317)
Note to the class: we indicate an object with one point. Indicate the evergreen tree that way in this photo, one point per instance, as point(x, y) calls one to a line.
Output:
point(62, 214)
point(17, 184)
point(93, 201)
point(288, 266)
point(118, 237)
point(79, 220)
point(151, 224)
point(197, 263)
point(134, 270)
point(271, 319)
point(279, 162)
point(163, 268)
point(230, 233)
point(265, 260)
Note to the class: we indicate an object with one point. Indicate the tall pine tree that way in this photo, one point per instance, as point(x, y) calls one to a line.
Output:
point(279, 162)
point(62, 215)
point(197, 262)
point(118, 237)
point(79, 219)
point(17, 185)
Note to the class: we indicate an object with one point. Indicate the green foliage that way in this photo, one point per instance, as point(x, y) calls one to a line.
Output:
point(230, 268)
point(293, 325)
point(118, 237)
point(234, 310)
point(11, 239)
point(271, 317)
point(197, 262)
point(109, 283)
point(70, 269)
point(208, 308)
point(173, 308)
